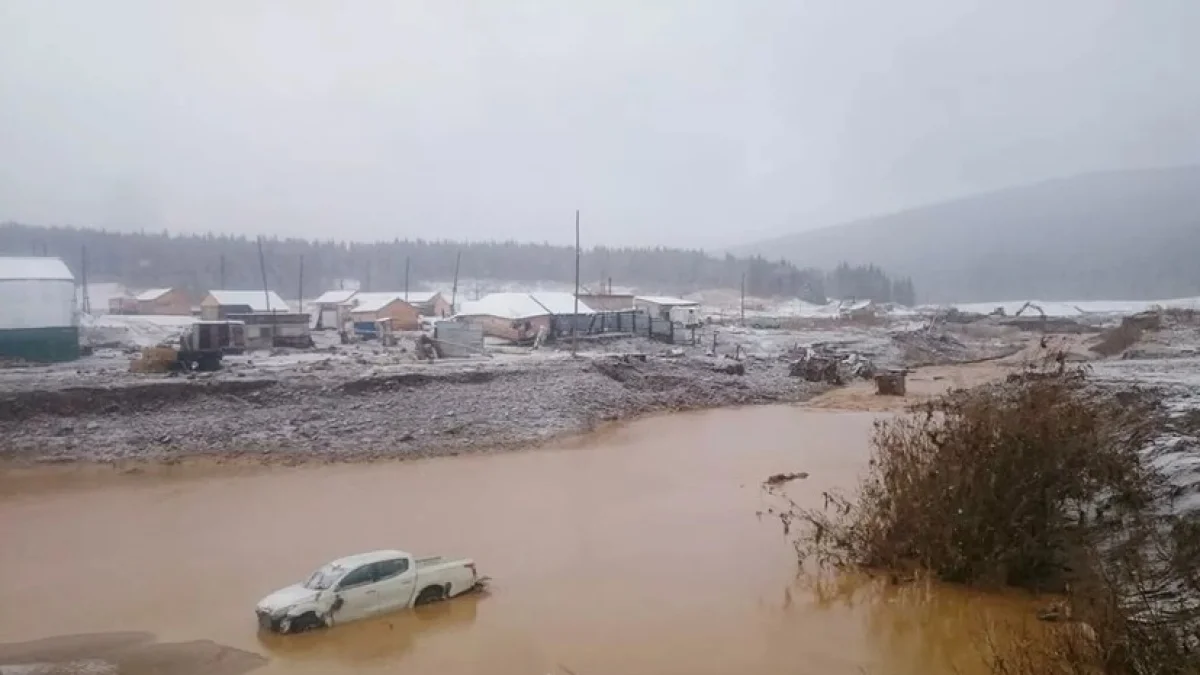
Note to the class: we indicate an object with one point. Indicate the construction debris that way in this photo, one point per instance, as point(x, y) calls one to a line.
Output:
point(891, 383)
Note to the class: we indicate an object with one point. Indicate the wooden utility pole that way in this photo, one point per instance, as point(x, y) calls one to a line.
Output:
point(368, 282)
point(406, 266)
point(454, 288)
point(83, 270)
point(262, 266)
point(222, 279)
point(743, 298)
point(300, 291)
point(575, 318)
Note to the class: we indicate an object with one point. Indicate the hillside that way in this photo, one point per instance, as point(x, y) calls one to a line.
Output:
point(1116, 235)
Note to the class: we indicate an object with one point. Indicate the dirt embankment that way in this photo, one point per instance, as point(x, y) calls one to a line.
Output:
point(384, 415)
point(124, 654)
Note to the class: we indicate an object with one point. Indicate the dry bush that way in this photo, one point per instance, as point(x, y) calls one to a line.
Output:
point(1038, 482)
point(988, 485)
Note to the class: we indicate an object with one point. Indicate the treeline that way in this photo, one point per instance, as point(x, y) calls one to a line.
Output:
point(203, 262)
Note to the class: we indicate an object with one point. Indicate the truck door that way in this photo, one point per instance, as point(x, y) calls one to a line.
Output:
point(396, 580)
point(356, 596)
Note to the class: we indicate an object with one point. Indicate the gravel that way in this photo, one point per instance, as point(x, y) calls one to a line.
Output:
point(405, 411)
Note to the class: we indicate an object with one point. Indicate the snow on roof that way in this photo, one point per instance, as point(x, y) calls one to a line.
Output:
point(152, 294)
point(523, 305)
point(255, 300)
point(41, 269)
point(666, 301)
point(420, 296)
point(334, 297)
point(373, 302)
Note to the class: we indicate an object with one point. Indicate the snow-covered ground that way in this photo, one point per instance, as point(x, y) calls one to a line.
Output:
point(131, 330)
point(1081, 308)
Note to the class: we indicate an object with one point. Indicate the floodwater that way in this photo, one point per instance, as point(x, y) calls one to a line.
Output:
point(639, 549)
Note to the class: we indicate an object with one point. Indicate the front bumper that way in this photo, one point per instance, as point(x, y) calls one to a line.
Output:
point(268, 622)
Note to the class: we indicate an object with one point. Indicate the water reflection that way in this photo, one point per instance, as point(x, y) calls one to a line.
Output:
point(385, 638)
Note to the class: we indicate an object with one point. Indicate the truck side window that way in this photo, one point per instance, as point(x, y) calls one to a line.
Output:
point(360, 576)
point(390, 568)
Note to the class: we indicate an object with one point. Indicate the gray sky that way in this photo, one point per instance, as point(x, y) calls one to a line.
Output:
point(678, 122)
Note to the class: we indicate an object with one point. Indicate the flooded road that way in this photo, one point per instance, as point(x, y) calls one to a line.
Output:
point(635, 550)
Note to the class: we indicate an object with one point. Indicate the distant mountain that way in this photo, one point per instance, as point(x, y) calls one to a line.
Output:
point(1117, 235)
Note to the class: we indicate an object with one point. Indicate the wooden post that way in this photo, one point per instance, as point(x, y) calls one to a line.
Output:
point(300, 290)
point(743, 298)
point(262, 266)
point(87, 304)
point(574, 319)
point(454, 289)
point(406, 261)
point(221, 279)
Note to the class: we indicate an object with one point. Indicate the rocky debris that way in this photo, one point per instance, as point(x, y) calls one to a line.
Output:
point(821, 363)
point(730, 367)
point(418, 411)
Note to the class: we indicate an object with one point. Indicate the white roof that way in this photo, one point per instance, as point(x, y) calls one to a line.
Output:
point(152, 294)
point(420, 296)
point(367, 558)
point(373, 302)
point(523, 305)
point(255, 300)
point(42, 269)
point(334, 297)
point(666, 301)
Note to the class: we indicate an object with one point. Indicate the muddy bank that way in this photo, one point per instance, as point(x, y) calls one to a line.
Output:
point(123, 654)
point(384, 414)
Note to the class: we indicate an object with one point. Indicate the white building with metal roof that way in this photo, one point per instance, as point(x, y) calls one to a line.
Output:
point(38, 319)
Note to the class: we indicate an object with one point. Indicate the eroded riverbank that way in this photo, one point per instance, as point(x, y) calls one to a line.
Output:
point(639, 549)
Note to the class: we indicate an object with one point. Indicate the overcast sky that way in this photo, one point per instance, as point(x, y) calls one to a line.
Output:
point(679, 122)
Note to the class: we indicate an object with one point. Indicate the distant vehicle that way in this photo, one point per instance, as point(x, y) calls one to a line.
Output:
point(365, 585)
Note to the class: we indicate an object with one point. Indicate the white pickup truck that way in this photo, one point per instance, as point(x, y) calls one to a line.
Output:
point(365, 585)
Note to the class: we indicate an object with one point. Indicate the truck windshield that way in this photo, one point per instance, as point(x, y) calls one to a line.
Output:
point(324, 578)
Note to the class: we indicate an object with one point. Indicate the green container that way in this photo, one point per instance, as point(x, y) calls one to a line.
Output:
point(40, 344)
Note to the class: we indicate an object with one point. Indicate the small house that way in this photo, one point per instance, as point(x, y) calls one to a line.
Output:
point(519, 317)
point(429, 303)
point(676, 310)
point(164, 301)
point(332, 309)
point(221, 304)
point(372, 307)
point(38, 321)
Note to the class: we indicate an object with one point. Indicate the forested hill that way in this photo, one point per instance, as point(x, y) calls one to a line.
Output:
point(144, 260)
point(1119, 235)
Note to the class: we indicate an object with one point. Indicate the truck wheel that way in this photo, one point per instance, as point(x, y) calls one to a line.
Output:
point(430, 595)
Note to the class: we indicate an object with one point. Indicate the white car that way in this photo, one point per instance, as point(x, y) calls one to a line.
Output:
point(365, 585)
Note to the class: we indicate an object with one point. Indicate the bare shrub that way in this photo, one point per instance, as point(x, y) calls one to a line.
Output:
point(988, 486)
point(1038, 482)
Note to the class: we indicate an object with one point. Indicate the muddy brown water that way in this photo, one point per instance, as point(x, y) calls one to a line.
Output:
point(635, 550)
